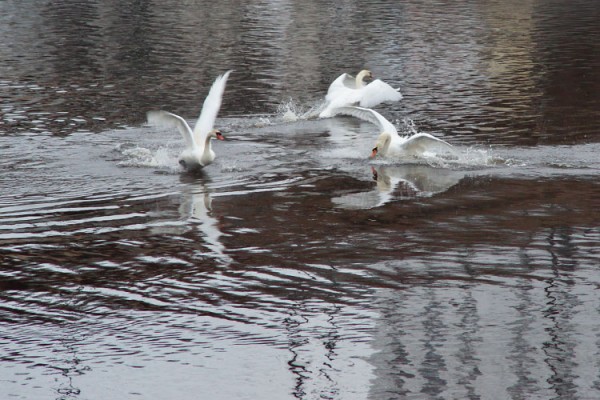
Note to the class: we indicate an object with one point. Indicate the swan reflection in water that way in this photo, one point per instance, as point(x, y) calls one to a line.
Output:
point(400, 182)
point(196, 210)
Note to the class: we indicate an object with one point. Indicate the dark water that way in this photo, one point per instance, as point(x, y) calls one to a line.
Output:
point(294, 266)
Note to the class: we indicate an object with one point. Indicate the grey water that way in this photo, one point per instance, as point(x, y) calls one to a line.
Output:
point(295, 267)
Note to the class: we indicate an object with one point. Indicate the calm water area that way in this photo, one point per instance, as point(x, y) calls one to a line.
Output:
point(294, 266)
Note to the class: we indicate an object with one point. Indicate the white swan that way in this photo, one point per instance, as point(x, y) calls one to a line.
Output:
point(347, 90)
point(198, 152)
point(391, 144)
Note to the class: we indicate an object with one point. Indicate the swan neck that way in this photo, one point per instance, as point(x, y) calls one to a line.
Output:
point(386, 139)
point(360, 78)
point(206, 148)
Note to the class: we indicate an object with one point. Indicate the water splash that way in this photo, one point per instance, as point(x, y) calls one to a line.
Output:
point(471, 156)
point(262, 122)
point(291, 111)
point(136, 156)
point(408, 126)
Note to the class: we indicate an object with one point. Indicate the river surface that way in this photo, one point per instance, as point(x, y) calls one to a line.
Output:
point(295, 267)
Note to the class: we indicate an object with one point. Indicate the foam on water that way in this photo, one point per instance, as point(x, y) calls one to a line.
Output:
point(136, 156)
point(472, 157)
point(291, 110)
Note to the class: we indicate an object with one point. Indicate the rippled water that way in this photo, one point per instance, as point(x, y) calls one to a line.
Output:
point(294, 266)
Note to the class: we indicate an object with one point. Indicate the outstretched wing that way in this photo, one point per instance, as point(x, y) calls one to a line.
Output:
point(210, 108)
point(424, 142)
point(377, 92)
point(372, 116)
point(344, 82)
point(164, 118)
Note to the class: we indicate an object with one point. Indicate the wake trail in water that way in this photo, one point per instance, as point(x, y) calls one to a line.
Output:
point(295, 134)
point(292, 111)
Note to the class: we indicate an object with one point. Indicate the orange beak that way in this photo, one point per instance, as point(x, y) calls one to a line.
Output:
point(220, 136)
point(374, 153)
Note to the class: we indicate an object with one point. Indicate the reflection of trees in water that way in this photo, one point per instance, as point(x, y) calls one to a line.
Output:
point(551, 337)
point(70, 365)
point(298, 369)
point(522, 352)
point(560, 311)
point(312, 343)
point(468, 361)
point(412, 344)
point(596, 383)
point(450, 346)
point(393, 365)
point(434, 337)
point(524, 337)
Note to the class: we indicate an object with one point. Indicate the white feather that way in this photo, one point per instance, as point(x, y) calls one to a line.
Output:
point(344, 91)
point(210, 108)
point(416, 145)
point(378, 92)
point(344, 81)
point(167, 119)
point(198, 152)
point(366, 114)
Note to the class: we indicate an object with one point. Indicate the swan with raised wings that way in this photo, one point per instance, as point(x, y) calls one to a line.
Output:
point(347, 90)
point(391, 145)
point(198, 152)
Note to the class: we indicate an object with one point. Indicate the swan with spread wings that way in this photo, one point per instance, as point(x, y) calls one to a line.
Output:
point(198, 152)
point(390, 144)
point(347, 90)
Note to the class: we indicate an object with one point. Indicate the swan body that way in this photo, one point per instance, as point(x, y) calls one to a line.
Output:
point(347, 90)
point(390, 144)
point(198, 152)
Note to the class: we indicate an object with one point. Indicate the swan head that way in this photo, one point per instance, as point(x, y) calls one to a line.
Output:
point(215, 133)
point(363, 75)
point(382, 144)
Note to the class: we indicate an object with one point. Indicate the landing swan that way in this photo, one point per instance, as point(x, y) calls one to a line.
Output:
point(347, 90)
point(391, 144)
point(198, 152)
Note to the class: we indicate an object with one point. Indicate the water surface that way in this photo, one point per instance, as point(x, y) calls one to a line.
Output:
point(295, 266)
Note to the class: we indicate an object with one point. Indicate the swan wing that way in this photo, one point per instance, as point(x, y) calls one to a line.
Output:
point(369, 115)
point(343, 82)
point(424, 142)
point(210, 108)
point(167, 119)
point(377, 92)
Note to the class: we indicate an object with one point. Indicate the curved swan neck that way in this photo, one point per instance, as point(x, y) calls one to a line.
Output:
point(215, 133)
point(383, 143)
point(206, 147)
point(361, 76)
